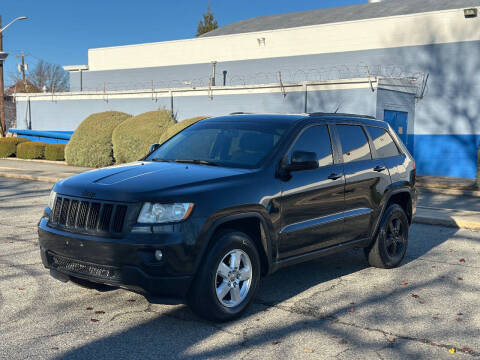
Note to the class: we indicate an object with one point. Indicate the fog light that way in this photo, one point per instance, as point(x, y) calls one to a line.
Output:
point(158, 255)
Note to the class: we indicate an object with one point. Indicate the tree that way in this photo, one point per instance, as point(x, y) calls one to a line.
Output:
point(208, 23)
point(52, 76)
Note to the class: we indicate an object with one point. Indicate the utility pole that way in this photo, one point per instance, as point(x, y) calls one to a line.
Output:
point(22, 67)
point(2, 90)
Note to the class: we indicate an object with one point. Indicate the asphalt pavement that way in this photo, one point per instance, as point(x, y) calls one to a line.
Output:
point(336, 307)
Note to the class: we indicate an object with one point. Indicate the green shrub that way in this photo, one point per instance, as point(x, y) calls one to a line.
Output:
point(55, 152)
point(8, 146)
point(31, 150)
point(91, 144)
point(176, 128)
point(132, 138)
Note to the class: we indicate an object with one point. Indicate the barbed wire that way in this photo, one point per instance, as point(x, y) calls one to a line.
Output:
point(288, 76)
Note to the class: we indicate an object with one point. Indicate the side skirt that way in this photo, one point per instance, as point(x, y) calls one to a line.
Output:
point(319, 253)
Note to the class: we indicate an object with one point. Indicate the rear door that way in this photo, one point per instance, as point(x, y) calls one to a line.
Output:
point(366, 180)
point(312, 201)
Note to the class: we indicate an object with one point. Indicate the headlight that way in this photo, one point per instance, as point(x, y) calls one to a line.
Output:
point(51, 199)
point(153, 213)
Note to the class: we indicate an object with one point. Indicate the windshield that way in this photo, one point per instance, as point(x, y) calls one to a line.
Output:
point(243, 144)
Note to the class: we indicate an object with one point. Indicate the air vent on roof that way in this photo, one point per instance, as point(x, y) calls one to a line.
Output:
point(470, 13)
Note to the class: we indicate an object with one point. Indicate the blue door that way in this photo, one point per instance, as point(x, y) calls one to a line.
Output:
point(398, 120)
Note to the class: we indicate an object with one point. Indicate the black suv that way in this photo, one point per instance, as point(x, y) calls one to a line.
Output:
point(230, 199)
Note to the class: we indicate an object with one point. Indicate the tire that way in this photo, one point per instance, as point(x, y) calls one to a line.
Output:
point(391, 240)
point(235, 294)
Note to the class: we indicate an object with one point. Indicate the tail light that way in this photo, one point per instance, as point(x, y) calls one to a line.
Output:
point(414, 173)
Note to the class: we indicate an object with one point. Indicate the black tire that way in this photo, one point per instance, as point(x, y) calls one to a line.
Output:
point(391, 240)
point(202, 297)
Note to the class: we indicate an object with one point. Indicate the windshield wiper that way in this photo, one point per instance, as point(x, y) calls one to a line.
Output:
point(162, 160)
point(195, 161)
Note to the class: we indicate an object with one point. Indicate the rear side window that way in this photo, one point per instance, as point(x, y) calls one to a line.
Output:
point(316, 139)
point(354, 143)
point(383, 142)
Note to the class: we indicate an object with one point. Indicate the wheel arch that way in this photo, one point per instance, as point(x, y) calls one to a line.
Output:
point(251, 223)
point(402, 197)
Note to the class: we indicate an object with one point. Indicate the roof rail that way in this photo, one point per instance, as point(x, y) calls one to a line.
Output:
point(341, 114)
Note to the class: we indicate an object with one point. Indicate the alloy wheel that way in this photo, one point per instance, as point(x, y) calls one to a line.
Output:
point(233, 278)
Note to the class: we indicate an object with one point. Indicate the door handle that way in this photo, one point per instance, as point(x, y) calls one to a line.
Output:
point(379, 168)
point(334, 176)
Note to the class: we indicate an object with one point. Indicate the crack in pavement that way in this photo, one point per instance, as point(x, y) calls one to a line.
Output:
point(334, 320)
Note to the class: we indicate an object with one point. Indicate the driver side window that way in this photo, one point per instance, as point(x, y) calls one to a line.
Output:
point(315, 139)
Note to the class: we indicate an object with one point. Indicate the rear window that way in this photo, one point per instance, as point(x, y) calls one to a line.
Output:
point(354, 143)
point(383, 142)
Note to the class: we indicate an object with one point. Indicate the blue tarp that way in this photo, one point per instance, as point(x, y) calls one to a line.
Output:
point(51, 137)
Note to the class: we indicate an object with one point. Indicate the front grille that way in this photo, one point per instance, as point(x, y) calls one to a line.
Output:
point(76, 267)
point(88, 216)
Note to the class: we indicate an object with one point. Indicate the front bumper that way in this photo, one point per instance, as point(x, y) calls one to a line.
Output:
point(127, 262)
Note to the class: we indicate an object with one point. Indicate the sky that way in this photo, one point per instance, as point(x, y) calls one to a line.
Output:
point(62, 31)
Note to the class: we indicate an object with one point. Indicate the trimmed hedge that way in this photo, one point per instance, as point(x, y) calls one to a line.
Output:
point(31, 150)
point(132, 138)
point(91, 144)
point(55, 152)
point(8, 146)
point(176, 128)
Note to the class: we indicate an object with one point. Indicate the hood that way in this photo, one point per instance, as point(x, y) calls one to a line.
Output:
point(140, 180)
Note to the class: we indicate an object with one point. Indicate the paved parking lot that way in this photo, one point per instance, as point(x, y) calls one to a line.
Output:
point(334, 307)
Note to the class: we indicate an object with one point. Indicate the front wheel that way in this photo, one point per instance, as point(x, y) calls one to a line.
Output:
point(228, 279)
point(391, 240)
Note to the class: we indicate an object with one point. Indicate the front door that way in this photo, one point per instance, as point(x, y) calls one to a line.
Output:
point(398, 120)
point(312, 201)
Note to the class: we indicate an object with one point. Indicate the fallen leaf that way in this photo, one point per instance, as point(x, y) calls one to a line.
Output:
point(391, 339)
point(131, 300)
point(404, 283)
point(421, 302)
point(89, 308)
point(275, 342)
point(352, 303)
point(342, 341)
point(94, 320)
point(54, 348)
point(459, 319)
point(435, 318)
point(452, 351)
point(460, 278)
point(20, 289)
point(415, 296)
point(467, 349)
point(462, 260)
point(257, 319)
point(451, 250)
point(309, 351)
point(99, 312)
point(351, 310)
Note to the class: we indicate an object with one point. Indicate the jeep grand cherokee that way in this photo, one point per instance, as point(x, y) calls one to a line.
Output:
point(230, 199)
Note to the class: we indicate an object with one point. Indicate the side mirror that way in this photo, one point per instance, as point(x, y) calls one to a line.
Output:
point(303, 160)
point(154, 147)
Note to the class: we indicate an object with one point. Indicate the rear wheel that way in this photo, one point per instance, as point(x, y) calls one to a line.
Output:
point(228, 279)
point(391, 240)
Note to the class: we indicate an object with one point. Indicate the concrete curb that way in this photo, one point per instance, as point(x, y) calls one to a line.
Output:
point(30, 177)
point(37, 161)
point(474, 193)
point(448, 217)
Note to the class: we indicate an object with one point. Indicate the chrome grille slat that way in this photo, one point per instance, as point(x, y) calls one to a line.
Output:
point(88, 216)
